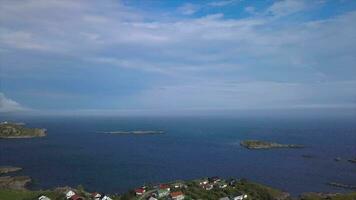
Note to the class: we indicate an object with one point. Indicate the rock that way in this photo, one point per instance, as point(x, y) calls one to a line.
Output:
point(13, 130)
point(258, 144)
point(16, 182)
point(8, 169)
point(341, 185)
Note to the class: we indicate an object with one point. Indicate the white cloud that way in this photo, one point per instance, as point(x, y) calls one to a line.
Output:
point(250, 9)
point(9, 105)
point(221, 3)
point(286, 7)
point(186, 51)
point(188, 9)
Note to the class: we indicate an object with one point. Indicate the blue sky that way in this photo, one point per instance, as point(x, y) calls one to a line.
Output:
point(161, 56)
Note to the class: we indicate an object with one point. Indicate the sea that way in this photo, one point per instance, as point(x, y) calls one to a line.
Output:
point(77, 152)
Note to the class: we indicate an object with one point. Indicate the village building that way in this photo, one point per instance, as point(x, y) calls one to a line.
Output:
point(69, 194)
point(214, 179)
point(43, 198)
point(240, 197)
point(76, 197)
point(179, 185)
point(140, 191)
point(222, 185)
point(151, 198)
point(208, 186)
point(106, 198)
point(96, 196)
point(203, 182)
point(164, 187)
point(177, 195)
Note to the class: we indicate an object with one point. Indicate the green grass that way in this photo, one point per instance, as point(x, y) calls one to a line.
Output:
point(6, 194)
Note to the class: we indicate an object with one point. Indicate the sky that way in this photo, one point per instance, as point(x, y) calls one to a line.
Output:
point(131, 56)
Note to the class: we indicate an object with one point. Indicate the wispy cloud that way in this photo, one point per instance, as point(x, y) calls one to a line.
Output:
point(286, 7)
point(177, 57)
point(188, 8)
point(8, 105)
point(222, 3)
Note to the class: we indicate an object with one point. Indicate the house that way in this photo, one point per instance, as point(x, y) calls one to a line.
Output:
point(151, 198)
point(43, 198)
point(76, 197)
point(224, 198)
point(214, 179)
point(164, 187)
point(69, 194)
point(232, 182)
point(240, 197)
point(178, 185)
point(140, 191)
point(96, 196)
point(203, 182)
point(222, 185)
point(106, 198)
point(208, 186)
point(177, 195)
point(162, 193)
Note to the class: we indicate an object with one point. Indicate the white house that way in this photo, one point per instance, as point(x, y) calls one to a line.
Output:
point(43, 198)
point(203, 182)
point(96, 196)
point(106, 198)
point(240, 197)
point(69, 194)
point(152, 198)
point(208, 186)
point(223, 185)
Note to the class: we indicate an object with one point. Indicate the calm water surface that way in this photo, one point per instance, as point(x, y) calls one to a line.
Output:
point(74, 152)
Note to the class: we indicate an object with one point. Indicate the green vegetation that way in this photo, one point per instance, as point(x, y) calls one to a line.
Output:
point(253, 190)
point(316, 196)
point(258, 144)
point(8, 194)
point(12, 130)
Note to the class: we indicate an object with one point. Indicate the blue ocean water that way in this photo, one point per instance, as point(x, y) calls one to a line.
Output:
point(74, 152)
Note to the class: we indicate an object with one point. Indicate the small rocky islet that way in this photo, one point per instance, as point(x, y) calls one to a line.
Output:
point(135, 132)
point(18, 130)
point(259, 144)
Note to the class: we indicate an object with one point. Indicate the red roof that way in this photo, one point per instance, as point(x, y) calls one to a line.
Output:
point(176, 194)
point(76, 197)
point(163, 186)
point(140, 190)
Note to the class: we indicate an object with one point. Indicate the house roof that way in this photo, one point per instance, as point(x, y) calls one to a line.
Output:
point(76, 197)
point(176, 194)
point(140, 190)
point(95, 194)
point(164, 186)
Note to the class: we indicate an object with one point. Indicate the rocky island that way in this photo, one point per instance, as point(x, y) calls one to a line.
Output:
point(8, 169)
point(258, 144)
point(137, 132)
point(17, 130)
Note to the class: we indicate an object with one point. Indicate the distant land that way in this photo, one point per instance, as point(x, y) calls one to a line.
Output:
point(136, 132)
point(18, 130)
point(259, 144)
